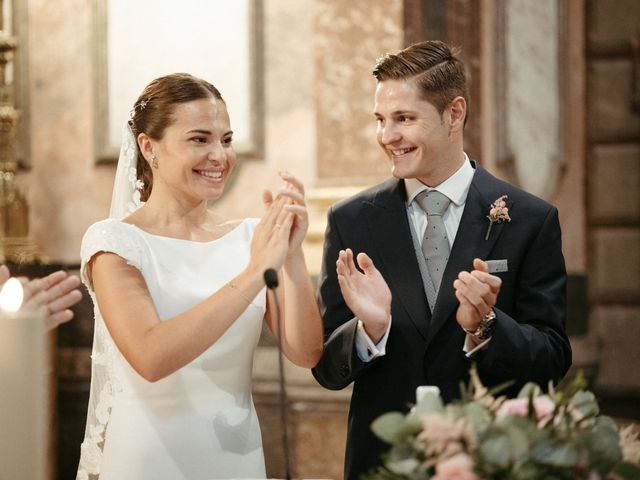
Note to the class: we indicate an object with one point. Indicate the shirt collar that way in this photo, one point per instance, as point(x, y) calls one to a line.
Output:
point(456, 187)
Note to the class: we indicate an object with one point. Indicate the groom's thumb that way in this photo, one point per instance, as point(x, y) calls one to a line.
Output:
point(365, 263)
point(481, 265)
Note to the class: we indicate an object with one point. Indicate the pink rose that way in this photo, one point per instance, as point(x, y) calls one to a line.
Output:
point(516, 406)
point(543, 406)
point(457, 467)
point(576, 415)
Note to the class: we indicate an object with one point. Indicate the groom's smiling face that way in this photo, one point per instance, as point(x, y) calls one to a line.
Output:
point(414, 135)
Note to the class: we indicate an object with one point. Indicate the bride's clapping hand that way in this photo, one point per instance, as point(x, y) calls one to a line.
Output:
point(284, 225)
point(294, 192)
point(270, 243)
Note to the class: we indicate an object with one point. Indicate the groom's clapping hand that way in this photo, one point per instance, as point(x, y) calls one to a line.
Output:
point(366, 293)
point(477, 291)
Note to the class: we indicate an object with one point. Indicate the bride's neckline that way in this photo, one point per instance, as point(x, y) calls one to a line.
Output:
point(166, 237)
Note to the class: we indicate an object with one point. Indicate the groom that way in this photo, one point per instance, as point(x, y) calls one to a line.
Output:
point(456, 266)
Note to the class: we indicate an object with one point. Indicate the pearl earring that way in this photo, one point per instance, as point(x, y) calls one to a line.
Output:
point(154, 161)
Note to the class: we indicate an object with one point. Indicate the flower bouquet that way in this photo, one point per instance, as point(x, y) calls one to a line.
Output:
point(559, 435)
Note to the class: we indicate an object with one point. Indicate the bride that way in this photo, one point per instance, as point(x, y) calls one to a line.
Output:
point(179, 298)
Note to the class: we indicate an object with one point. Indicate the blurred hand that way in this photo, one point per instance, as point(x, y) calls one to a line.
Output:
point(4, 274)
point(366, 293)
point(56, 293)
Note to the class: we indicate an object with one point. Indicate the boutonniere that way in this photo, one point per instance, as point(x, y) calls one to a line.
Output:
point(498, 213)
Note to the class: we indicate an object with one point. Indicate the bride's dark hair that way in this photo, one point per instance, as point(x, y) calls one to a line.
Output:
point(153, 113)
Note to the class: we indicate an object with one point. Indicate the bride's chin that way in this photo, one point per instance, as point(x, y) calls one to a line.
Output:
point(214, 195)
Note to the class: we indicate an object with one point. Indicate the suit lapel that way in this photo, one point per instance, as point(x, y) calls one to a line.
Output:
point(469, 243)
point(388, 225)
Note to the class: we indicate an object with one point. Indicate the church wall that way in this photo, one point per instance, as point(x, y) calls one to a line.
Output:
point(613, 159)
point(68, 191)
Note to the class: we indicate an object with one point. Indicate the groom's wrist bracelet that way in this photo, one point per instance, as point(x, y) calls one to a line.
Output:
point(485, 327)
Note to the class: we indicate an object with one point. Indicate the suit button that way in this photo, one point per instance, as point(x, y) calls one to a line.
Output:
point(344, 370)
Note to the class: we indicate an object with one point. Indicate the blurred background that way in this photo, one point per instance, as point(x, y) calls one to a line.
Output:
point(555, 109)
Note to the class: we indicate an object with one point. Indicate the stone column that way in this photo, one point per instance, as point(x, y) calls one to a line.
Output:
point(613, 199)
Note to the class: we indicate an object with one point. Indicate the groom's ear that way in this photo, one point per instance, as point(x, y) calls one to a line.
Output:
point(146, 146)
point(457, 113)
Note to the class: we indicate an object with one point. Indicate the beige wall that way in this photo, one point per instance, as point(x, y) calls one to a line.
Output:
point(67, 191)
point(350, 36)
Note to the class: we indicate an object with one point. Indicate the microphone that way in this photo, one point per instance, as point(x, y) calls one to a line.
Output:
point(270, 278)
point(271, 281)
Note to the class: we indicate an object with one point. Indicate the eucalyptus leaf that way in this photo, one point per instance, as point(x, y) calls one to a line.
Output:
point(557, 454)
point(603, 444)
point(493, 451)
point(503, 445)
point(403, 467)
point(585, 402)
point(402, 459)
point(478, 416)
point(393, 427)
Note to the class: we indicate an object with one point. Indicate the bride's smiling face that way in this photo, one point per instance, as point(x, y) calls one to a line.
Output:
point(195, 155)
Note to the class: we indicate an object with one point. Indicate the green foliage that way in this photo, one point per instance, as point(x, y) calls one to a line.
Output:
point(559, 436)
point(394, 427)
point(627, 470)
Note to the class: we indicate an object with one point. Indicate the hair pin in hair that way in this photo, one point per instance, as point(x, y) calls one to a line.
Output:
point(138, 107)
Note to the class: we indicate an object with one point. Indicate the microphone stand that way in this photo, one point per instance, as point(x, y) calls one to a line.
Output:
point(271, 280)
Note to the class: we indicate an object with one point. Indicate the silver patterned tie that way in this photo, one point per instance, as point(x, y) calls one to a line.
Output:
point(435, 245)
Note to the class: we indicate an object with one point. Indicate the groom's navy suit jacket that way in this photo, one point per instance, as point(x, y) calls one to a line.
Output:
point(528, 343)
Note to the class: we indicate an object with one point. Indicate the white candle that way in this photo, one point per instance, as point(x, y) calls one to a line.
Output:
point(23, 392)
point(425, 391)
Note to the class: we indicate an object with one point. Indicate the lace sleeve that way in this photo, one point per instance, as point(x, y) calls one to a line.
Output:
point(106, 236)
point(109, 236)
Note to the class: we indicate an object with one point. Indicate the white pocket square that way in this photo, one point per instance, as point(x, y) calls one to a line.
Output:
point(497, 266)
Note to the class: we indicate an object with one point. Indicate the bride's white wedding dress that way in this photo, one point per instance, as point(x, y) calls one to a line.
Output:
point(199, 422)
